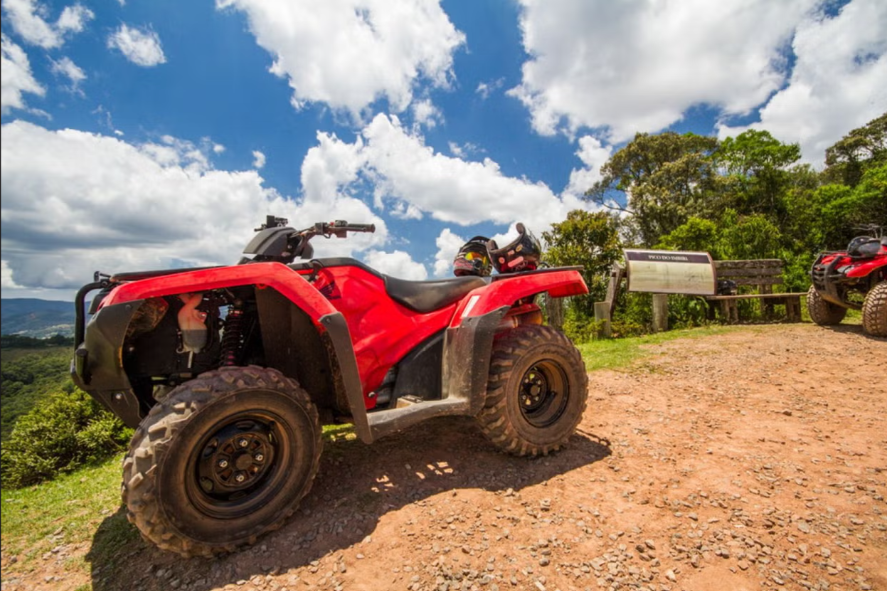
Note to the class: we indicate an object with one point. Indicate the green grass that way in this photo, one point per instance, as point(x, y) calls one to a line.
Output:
point(615, 353)
point(67, 510)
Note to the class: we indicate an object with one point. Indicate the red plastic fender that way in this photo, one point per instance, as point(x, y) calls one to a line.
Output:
point(506, 291)
point(866, 268)
point(274, 275)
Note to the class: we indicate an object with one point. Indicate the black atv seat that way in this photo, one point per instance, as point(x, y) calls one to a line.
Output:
point(428, 296)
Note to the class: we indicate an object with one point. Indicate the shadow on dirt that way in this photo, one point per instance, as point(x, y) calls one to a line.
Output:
point(356, 486)
point(851, 329)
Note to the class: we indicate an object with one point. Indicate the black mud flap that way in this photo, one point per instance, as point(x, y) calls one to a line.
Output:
point(97, 367)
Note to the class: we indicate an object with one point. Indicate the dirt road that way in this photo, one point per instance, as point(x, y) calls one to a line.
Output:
point(751, 460)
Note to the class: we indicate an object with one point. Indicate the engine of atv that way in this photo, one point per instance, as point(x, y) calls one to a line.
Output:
point(175, 338)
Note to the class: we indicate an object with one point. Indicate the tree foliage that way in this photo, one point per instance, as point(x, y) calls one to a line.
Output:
point(49, 426)
point(667, 179)
point(862, 148)
point(587, 239)
point(746, 197)
point(68, 431)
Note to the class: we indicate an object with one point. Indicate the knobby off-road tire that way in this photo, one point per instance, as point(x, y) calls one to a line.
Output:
point(822, 312)
point(536, 392)
point(222, 459)
point(874, 311)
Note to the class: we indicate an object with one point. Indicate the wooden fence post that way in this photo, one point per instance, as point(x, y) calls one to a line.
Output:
point(555, 309)
point(602, 315)
point(660, 312)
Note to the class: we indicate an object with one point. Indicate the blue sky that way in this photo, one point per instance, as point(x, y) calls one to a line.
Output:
point(145, 134)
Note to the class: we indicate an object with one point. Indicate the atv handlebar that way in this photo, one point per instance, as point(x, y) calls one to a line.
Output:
point(337, 228)
point(276, 241)
point(340, 228)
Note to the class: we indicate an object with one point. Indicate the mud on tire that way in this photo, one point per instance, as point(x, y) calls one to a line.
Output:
point(874, 311)
point(536, 392)
point(822, 312)
point(221, 460)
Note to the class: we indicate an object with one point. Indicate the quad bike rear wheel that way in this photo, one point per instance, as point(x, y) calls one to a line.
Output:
point(874, 311)
point(221, 460)
point(536, 393)
point(822, 312)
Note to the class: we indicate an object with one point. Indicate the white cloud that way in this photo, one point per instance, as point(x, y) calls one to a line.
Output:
point(485, 89)
point(465, 150)
point(350, 53)
point(73, 19)
point(448, 244)
point(6, 279)
point(409, 180)
point(28, 18)
point(149, 210)
point(839, 82)
point(593, 155)
point(637, 67)
point(218, 148)
point(425, 114)
point(258, 160)
point(397, 264)
point(449, 189)
point(15, 76)
point(67, 68)
point(140, 46)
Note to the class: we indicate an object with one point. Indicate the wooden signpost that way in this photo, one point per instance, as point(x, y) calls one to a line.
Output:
point(659, 272)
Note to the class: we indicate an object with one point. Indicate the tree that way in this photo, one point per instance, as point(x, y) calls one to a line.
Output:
point(862, 148)
point(847, 212)
point(696, 234)
point(590, 240)
point(662, 180)
point(756, 175)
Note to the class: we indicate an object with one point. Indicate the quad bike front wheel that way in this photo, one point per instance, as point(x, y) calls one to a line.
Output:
point(536, 392)
point(874, 311)
point(822, 312)
point(221, 460)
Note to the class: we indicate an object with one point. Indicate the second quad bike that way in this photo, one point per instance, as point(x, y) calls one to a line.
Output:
point(856, 279)
point(227, 374)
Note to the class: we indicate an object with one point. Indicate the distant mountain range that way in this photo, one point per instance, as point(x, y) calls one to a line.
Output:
point(36, 318)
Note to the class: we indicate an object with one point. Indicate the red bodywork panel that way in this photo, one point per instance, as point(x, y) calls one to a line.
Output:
point(276, 275)
point(382, 330)
point(506, 291)
point(858, 269)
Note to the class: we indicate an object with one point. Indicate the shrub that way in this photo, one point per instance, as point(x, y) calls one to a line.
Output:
point(68, 431)
point(582, 329)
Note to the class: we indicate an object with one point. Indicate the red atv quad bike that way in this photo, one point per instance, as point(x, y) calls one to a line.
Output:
point(855, 278)
point(227, 374)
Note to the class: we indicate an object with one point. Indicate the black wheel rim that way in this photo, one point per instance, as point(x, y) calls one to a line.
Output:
point(238, 465)
point(544, 393)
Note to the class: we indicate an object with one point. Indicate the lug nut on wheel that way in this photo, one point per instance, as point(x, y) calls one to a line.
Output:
point(243, 443)
point(259, 457)
point(240, 477)
point(223, 464)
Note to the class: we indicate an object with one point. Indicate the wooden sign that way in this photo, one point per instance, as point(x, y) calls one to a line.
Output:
point(670, 271)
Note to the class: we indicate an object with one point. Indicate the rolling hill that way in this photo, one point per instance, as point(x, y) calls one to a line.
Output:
point(36, 318)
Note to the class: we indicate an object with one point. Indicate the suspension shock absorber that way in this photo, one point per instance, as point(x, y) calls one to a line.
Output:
point(232, 338)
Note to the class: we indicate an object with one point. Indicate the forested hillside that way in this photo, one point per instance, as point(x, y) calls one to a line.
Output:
point(36, 318)
point(48, 425)
point(30, 376)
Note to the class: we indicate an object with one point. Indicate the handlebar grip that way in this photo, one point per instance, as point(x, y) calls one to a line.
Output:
point(342, 225)
point(361, 227)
